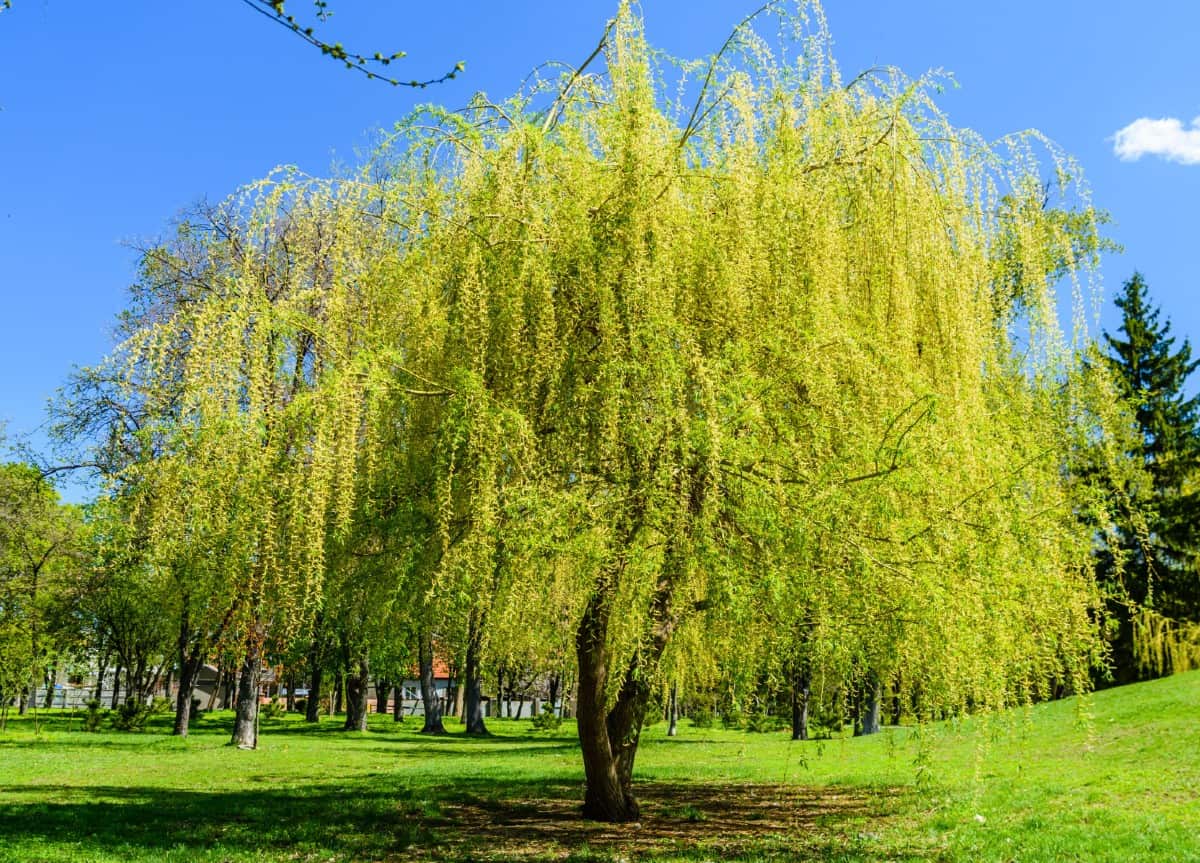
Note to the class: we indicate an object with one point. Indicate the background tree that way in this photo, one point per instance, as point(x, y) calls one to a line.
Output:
point(43, 556)
point(1161, 567)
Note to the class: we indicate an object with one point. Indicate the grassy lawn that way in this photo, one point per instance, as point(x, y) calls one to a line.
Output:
point(1117, 778)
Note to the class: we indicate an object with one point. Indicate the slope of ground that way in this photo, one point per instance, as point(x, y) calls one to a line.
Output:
point(1114, 778)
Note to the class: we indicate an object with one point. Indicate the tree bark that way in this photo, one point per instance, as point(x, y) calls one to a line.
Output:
point(800, 691)
point(383, 688)
point(869, 711)
point(429, 695)
point(100, 676)
point(357, 680)
point(290, 703)
point(245, 723)
point(473, 701)
point(398, 704)
point(189, 670)
point(116, 686)
point(673, 709)
point(51, 676)
point(608, 739)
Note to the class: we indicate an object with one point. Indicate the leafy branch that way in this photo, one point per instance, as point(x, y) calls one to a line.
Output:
point(374, 66)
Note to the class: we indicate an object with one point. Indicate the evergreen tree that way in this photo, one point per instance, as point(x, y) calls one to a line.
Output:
point(1161, 566)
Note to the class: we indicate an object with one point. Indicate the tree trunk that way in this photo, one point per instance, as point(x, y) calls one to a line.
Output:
point(290, 704)
point(382, 689)
point(800, 689)
point(312, 707)
point(245, 724)
point(116, 686)
point(100, 676)
point(429, 695)
point(357, 680)
point(869, 711)
point(189, 670)
point(473, 702)
point(337, 703)
point(555, 680)
point(398, 704)
point(51, 676)
point(673, 709)
point(608, 740)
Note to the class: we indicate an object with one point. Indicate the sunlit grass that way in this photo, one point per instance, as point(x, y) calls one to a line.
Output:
point(1114, 779)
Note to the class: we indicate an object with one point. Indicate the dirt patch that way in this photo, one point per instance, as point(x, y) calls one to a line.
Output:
point(719, 821)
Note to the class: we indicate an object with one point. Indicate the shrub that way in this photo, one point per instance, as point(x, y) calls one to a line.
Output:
point(160, 706)
point(763, 722)
point(131, 716)
point(701, 717)
point(272, 710)
point(301, 705)
point(95, 716)
point(547, 720)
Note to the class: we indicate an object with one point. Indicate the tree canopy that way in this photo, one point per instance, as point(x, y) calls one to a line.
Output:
point(770, 373)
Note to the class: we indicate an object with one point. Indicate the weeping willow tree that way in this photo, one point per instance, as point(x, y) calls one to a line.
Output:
point(796, 346)
point(666, 384)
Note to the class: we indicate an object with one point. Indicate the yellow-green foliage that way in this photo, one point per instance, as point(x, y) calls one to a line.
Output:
point(1163, 645)
point(782, 370)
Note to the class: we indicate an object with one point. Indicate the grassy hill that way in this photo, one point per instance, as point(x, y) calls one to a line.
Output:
point(1115, 777)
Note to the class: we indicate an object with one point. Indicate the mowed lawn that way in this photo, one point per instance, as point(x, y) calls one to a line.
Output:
point(1115, 778)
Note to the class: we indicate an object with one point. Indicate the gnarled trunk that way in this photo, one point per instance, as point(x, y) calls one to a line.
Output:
point(607, 738)
point(429, 695)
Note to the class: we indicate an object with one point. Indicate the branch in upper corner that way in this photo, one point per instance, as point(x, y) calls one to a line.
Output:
point(374, 66)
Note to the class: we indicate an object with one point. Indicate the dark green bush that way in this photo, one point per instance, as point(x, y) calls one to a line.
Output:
point(547, 720)
point(131, 716)
point(95, 716)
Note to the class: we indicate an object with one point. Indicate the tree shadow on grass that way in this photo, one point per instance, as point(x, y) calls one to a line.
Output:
point(504, 819)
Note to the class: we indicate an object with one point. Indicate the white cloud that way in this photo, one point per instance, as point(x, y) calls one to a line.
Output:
point(1167, 138)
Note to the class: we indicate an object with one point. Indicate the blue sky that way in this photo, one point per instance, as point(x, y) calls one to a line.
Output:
point(115, 116)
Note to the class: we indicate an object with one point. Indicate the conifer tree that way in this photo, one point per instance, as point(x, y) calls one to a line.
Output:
point(1160, 567)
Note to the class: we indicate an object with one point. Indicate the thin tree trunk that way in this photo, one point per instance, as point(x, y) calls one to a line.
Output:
point(357, 679)
point(290, 704)
point(116, 686)
point(398, 704)
point(473, 702)
point(100, 676)
point(51, 676)
point(800, 686)
point(383, 688)
point(189, 670)
point(429, 695)
point(245, 724)
point(673, 725)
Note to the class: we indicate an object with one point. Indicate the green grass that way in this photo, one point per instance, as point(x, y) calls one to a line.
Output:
point(1114, 779)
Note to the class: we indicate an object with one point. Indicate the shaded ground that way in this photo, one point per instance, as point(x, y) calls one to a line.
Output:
point(724, 821)
point(469, 821)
